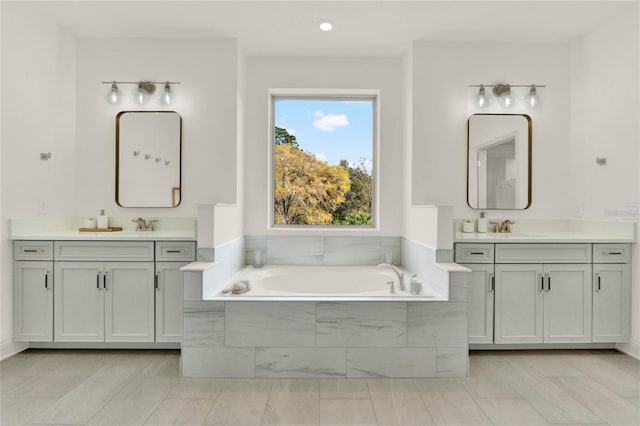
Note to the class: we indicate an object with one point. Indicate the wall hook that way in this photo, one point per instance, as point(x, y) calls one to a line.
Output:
point(136, 153)
point(601, 161)
point(45, 155)
point(147, 156)
point(158, 159)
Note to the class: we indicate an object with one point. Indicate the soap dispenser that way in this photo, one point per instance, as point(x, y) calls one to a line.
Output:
point(103, 221)
point(482, 223)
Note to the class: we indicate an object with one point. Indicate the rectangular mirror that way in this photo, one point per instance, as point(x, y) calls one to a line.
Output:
point(499, 161)
point(148, 157)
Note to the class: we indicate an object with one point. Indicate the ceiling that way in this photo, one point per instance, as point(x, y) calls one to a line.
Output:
point(361, 28)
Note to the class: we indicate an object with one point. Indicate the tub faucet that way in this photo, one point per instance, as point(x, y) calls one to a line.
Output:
point(398, 272)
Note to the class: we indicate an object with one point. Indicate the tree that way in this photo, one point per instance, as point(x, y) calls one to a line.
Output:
point(356, 208)
point(282, 137)
point(306, 191)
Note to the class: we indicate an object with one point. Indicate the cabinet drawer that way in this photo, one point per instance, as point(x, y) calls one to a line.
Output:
point(611, 253)
point(543, 253)
point(175, 251)
point(103, 251)
point(474, 253)
point(33, 250)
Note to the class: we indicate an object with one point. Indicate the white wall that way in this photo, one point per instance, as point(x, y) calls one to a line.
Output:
point(605, 118)
point(37, 115)
point(206, 99)
point(441, 105)
point(263, 73)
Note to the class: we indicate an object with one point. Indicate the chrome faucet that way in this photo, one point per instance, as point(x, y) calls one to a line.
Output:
point(506, 226)
point(398, 272)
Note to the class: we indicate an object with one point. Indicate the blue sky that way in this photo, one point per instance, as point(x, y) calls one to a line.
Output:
point(333, 130)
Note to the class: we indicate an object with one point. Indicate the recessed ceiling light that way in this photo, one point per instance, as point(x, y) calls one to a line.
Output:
point(326, 25)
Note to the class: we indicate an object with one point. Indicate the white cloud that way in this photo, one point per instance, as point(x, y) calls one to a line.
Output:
point(330, 122)
point(318, 113)
point(321, 157)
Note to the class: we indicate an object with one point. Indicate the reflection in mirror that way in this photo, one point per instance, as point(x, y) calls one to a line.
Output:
point(148, 156)
point(499, 161)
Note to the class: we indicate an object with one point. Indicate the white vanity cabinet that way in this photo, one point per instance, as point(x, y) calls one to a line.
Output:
point(33, 291)
point(547, 300)
point(480, 296)
point(104, 301)
point(169, 287)
point(611, 292)
point(556, 293)
point(543, 303)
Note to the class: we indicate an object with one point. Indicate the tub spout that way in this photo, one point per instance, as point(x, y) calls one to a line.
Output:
point(398, 272)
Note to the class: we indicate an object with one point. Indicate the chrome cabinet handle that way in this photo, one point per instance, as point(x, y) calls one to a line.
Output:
point(98, 280)
point(175, 251)
point(492, 279)
point(155, 281)
point(612, 253)
point(46, 279)
point(104, 280)
point(599, 286)
point(474, 253)
point(32, 250)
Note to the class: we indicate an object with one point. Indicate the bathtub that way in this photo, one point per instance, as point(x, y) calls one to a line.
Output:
point(320, 283)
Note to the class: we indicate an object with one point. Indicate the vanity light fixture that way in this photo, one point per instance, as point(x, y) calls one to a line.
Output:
point(144, 90)
point(113, 97)
point(482, 99)
point(168, 96)
point(505, 95)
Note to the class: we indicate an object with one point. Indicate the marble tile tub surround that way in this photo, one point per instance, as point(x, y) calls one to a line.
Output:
point(325, 339)
point(322, 250)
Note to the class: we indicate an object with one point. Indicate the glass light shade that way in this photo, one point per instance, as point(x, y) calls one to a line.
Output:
point(140, 96)
point(482, 99)
point(168, 95)
point(113, 96)
point(533, 99)
point(507, 100)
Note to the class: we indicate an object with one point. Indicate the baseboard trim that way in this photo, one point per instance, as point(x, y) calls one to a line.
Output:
point(514, 346)
point(10, 347)
point(103, 345)
point(631, 348)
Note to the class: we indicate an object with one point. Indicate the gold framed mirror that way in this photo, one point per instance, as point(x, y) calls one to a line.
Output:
point(499, 161)
point(148, 159)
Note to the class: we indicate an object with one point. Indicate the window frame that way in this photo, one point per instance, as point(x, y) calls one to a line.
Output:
point(328, 94)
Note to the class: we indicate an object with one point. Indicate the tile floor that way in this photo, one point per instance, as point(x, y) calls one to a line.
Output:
point(144, 387)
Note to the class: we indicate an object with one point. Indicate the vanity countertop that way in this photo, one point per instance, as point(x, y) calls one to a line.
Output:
point(61, 229)
point(540, 237)
point(75, 235)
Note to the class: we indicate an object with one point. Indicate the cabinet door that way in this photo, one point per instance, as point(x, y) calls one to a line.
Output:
point(518, 304)
point(33, 301)
point(480, 303)
point(169, 296)
point(78, 302)
point(611, 302)
point(567, 303)
point(129, 305)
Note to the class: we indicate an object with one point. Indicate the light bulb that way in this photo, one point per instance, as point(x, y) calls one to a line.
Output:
point(534, 99)
point(140, 95)
point(168, 95)
point(145, 89)
point(507, 98)
point(113, 96)
point(482, 100)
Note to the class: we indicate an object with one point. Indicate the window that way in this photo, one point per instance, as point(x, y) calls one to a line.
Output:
point(323, 151)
